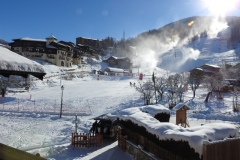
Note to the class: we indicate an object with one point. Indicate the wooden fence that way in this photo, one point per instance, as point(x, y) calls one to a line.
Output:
point(87, 140)
point(222, 150)
point(146, 144)
point(121, 139)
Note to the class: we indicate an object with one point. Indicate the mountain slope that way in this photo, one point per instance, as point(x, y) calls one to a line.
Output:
point(188, 43)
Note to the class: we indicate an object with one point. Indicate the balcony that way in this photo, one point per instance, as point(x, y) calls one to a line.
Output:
point(69, 55)
point(69, 58)
point(62, 57)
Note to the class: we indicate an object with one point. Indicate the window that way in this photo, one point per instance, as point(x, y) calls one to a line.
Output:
point(62, 63)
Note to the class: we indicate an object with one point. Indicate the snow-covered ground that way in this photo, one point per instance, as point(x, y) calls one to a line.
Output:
point(30, 120)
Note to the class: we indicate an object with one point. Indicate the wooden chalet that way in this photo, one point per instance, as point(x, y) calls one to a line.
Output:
point(95, 43)
point(87, 50)
point(119, 62)
point(57, 53)
point(28, 47)
point(206, 69)
point(75, 51)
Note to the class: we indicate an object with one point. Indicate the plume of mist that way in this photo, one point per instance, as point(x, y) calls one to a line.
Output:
point(186, 54)
point(153, 45)
point(146, 59)
point(186, 57)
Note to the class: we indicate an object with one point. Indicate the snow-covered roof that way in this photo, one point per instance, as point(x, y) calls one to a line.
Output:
point(200, 69)
point(114, 69)
point(51, 37)
point(132, 47)
point(211, 65)
point(118, 57)
point(178, 106)
point(89, 38)
point(30, 39)
point(204, 70)
point(14, 64)
point(63, 44)
point(155, 109)
point(195, 136)
point(81, 45)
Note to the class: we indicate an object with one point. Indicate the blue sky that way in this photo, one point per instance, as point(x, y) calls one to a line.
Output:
point(97, 19)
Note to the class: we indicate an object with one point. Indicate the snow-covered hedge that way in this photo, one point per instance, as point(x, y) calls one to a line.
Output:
point(155, 109)
point(158, 111)
point(195, 136)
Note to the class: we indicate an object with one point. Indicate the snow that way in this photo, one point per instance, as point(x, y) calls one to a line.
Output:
point(31, 39)
point(214, 66)
point(118, 57)
point(36, 126)
point(155, 109)
point(194, 135)
point(30, 120)
point(178, 106)
point(114, 70)
point(13, 61)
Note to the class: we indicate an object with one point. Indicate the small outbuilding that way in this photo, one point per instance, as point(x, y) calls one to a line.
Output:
point(181, 114)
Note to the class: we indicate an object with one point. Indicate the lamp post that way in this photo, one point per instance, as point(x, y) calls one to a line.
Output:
point(62, 88)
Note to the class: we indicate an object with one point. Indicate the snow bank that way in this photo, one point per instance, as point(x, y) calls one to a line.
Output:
point(194, 135)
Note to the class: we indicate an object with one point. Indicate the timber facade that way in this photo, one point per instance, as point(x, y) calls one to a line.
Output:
point(58, 53)
point(119, 62)
point(95, 43)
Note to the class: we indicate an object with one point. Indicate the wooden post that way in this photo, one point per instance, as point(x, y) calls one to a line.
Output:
point(88, 140)
point(72, 138)
point(75, 123)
